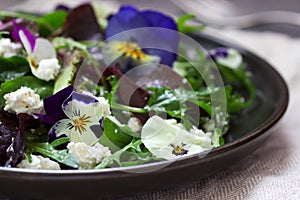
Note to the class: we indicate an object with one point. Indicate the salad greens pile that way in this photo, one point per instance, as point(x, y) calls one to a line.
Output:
point(83, 88)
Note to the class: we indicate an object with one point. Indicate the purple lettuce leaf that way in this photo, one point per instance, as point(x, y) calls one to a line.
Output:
point(12, 139)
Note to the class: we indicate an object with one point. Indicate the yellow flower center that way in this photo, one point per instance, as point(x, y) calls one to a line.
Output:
point(79, 123)
point(178, 149)
point(130, 49)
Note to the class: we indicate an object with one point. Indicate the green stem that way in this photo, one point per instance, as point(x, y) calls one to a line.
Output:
point(128, 108)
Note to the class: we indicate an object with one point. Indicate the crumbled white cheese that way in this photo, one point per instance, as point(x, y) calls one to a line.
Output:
point(39, 162)
point(88, 156)
point(105, 106)
point(47, 69)
point(134, 124)
point(8, 48)
point(23, 100)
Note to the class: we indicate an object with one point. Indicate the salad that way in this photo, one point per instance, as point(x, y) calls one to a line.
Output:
point(88, 88)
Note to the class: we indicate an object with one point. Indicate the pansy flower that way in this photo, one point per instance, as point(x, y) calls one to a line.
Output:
point(227, 57)
point(170, 141)
point(53, 106)
point(83, 116)
point(142, 45)
point(41, 54)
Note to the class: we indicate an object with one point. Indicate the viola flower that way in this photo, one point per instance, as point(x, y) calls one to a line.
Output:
point(127, 54)
point(167, 140)
point(227, 57)
point(129, 18)
point(84, 114)
point(53, 106)
point(41, 53)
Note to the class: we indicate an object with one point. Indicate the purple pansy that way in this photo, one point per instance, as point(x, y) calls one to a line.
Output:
point(164, 43)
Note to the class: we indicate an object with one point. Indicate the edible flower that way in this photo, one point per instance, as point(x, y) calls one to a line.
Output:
point(227, 57)
point(135, 44)
point(168, 140)
point(53, 106)
point(84, 114)
point(41, 54)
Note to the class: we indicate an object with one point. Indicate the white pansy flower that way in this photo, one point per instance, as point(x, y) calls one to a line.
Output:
point(42, 57)
point(166, 140)
point(84, 114)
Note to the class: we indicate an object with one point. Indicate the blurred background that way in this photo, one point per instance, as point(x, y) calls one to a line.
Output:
point(238, 14)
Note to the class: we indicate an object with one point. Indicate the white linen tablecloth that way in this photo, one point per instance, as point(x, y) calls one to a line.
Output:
point(271, 172)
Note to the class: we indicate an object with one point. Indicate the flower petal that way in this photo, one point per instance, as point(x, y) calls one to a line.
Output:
point(165, 42)
point(87, 99)
point(44, 49)
point(64, 127)
point(127, 18)
point(227, 57)
point(169, 141)
point(127, 54)
point(30, 38)
point(52, 106)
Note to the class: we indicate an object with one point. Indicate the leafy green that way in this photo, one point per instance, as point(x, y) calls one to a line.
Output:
point(3, 33)
point(51, 22)
point(239, 81)
point(47, 150)
point(183, 28)
point(118, 135)
point(44, 89)
point(13, 67)
point(59, 141)
point(67, 74)
point(132, 154)
point(48, 23)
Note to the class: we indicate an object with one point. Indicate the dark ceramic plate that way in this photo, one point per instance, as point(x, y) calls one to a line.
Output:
point(250, 130)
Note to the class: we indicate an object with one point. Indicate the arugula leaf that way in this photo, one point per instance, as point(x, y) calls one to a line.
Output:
point(51, 22)
point(13, 67)
point(44, 89)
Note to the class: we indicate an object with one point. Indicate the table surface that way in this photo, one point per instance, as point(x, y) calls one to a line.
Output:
point(271, 172)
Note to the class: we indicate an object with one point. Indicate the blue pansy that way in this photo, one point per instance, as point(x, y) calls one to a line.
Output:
point(163, 41)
